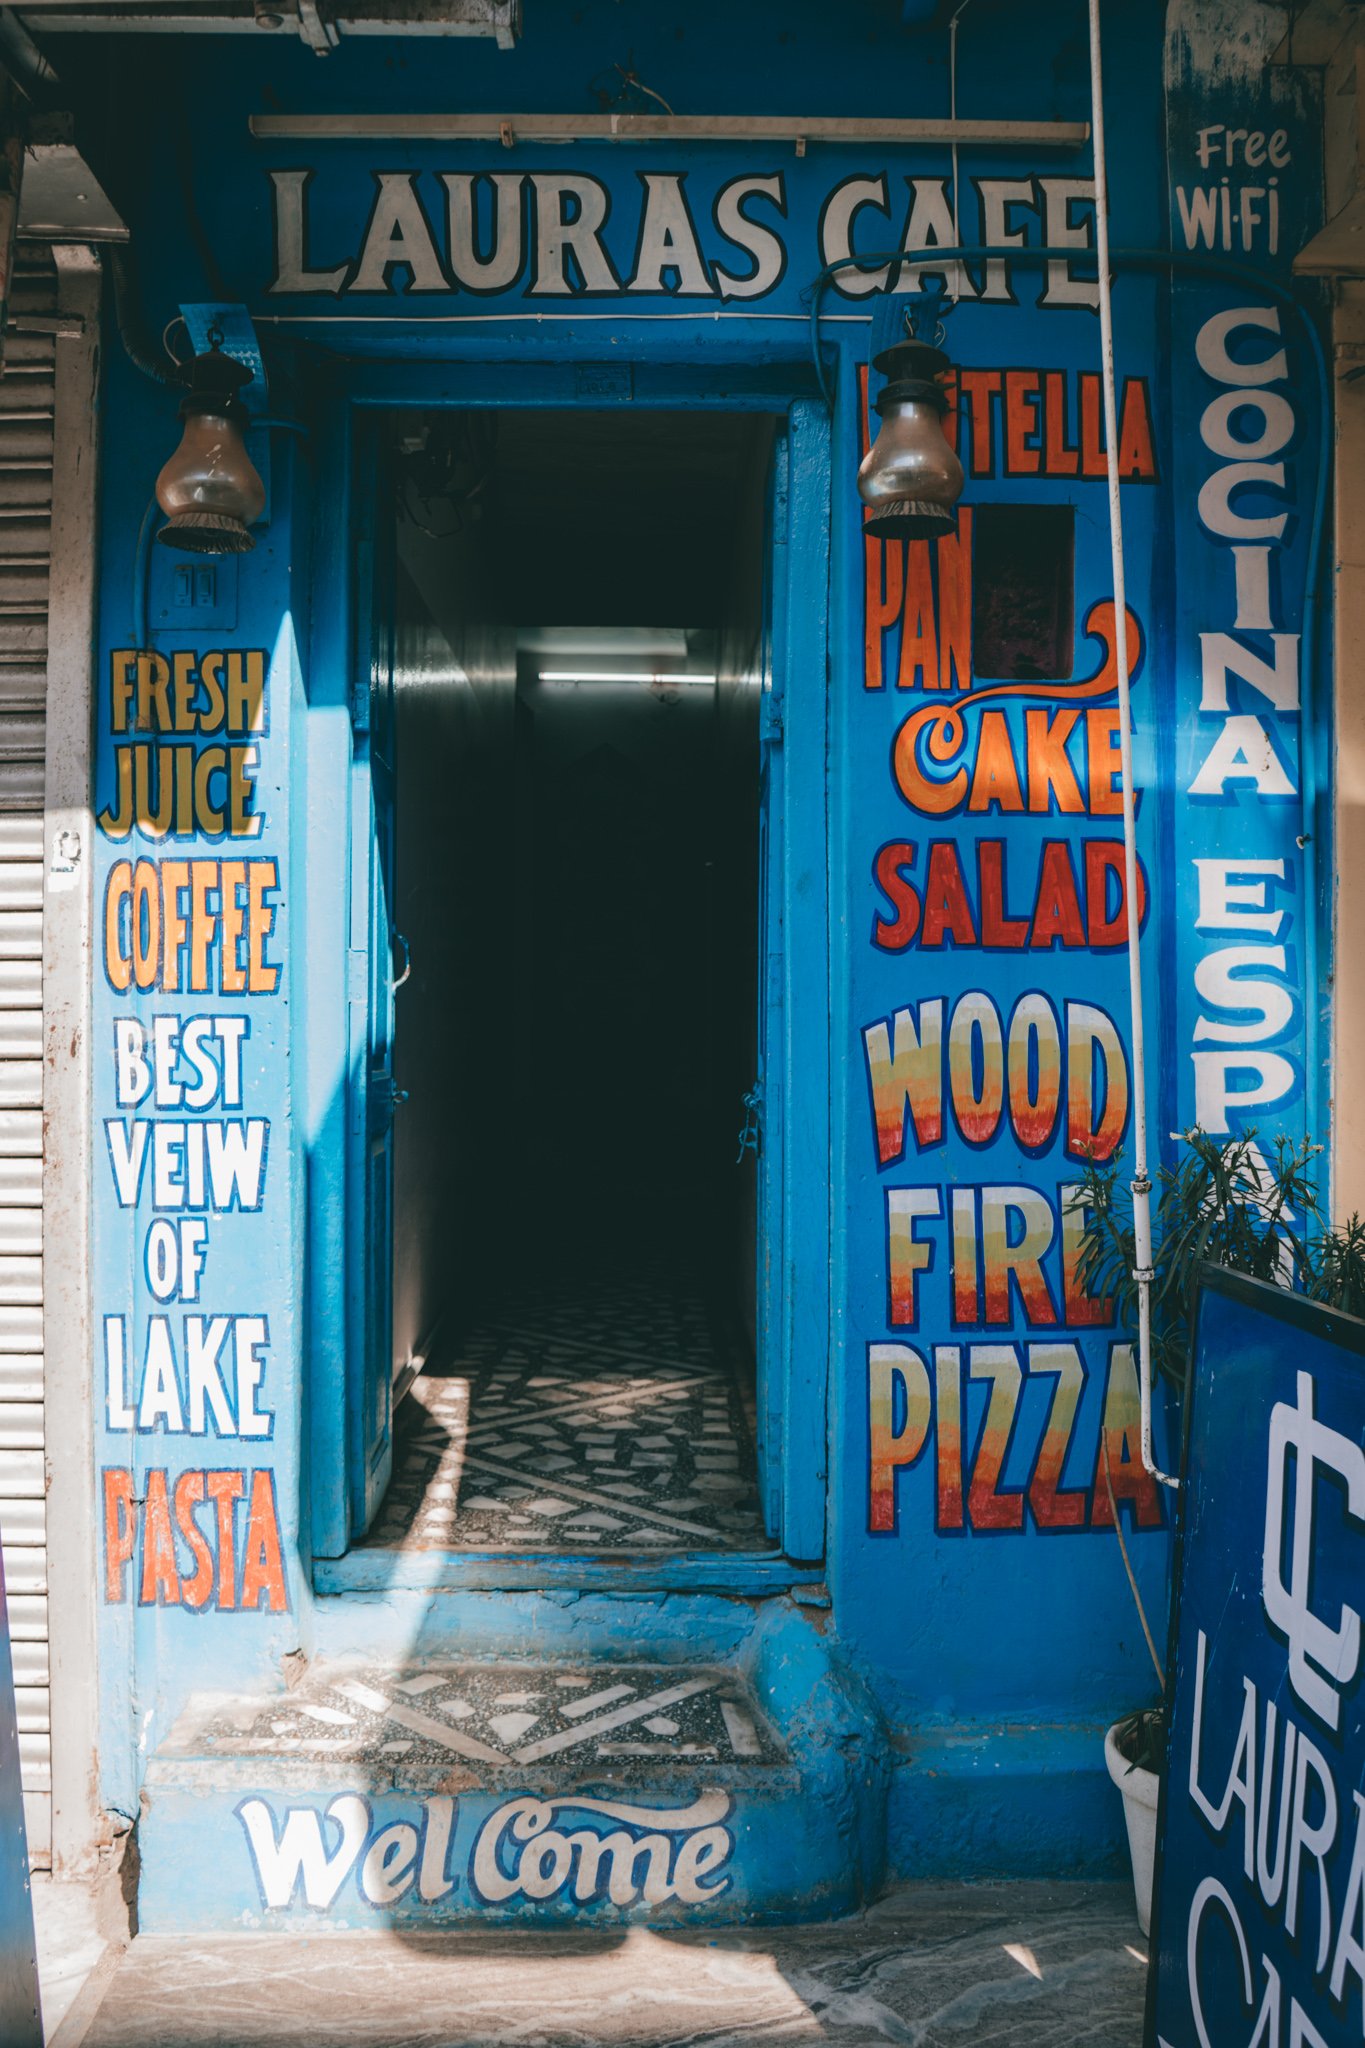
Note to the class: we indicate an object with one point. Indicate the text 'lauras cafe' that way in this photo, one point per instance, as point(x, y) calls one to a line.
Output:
point(598, 960)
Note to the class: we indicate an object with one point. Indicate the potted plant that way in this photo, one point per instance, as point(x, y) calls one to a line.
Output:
point(1224, 1203)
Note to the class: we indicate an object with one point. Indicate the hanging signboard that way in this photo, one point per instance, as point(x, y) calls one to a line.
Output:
point(1259, 1922)
point(20, 2022)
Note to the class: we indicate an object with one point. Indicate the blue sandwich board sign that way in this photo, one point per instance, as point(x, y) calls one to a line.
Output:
point(20, 2020)
point(1259, 1922)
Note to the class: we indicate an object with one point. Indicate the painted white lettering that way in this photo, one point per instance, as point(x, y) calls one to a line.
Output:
point(1349, 1953)
point(1277, 680)
point(1215, 1094)
point(160, 1397)
point(563, 239)
point(1198, 206)
point(236, 1162)
point(386, 1872)
point(398, 234)
point(1313, 1839)
point(433, 1879)
point(929, 225)
point(1270, 1875)
point(1000, 198)
point(1251, 568)
point(501, 268)
point(1227, 902)
point(249, 1336)
point(1276, 429)
point(165, 1054)
point(760, 243)
point(118, 1413)
point(1211, 347)
point(1242, 752)
point(299, 1855)
point(127, 1155)
point(132, 1075)
point(1216, 509)
point(291, 235)
point(1061, 196)
point(519, 1852)
point(1215, 979)
point(842, 207)
point(205, 1337)
point(668, 241)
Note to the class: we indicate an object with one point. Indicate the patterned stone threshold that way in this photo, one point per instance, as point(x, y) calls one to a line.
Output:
point(502, 1716)
point(614, 1420)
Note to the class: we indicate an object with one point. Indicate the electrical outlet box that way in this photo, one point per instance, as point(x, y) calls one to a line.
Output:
point(189, 593)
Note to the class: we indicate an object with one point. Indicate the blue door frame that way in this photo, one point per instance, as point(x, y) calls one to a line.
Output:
point(347, 1448)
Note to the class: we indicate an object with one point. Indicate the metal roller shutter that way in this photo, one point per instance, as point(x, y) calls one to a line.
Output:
point(26, 456)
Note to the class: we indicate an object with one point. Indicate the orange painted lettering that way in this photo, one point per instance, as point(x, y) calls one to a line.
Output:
point(1021, 422)
point(224, 1489)
point(885, 566)
point(120, 1529)
point(919, 636)
point(160, 1572)
point(262, 1564)
point(1050, 773)
point(978, 387)
point(189, 1491)
point(1059, 457)
point(995, 779)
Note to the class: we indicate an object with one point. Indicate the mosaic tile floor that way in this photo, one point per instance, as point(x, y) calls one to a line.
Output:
point(612, 1421)
point(503, 1715)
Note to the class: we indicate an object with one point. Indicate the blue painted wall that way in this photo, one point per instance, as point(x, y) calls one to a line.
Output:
point(975, 1576)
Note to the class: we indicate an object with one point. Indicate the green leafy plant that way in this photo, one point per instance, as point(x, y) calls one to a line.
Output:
point(1225, 1203)
point(1140, 1739)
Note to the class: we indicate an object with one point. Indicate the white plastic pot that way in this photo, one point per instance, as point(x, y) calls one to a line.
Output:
point(1139, 1789)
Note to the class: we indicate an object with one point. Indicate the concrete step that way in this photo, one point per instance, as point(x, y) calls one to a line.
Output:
point(430, 1792)
point(1018, 1965)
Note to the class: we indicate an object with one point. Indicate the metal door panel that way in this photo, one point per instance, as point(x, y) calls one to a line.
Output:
point(800, 638)
point(795, 1179)
point(371, 1012)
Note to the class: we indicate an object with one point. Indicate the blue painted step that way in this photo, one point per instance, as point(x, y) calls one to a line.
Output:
point(434, 1791)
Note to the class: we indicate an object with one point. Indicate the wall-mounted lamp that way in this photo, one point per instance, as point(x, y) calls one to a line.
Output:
point(209, 490)
point(910, 479)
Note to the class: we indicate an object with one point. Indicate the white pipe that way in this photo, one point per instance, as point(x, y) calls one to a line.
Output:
point(962, 7)
point(1141, 1182)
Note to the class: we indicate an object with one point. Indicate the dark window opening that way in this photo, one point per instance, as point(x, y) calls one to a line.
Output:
point(1023, 575)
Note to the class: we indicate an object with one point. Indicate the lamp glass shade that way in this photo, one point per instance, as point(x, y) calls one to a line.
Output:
point(910, 479)
point(210, 490)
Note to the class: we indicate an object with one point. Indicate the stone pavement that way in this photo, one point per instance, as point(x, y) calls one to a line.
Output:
point(66, 1921)
point(1000, 1966)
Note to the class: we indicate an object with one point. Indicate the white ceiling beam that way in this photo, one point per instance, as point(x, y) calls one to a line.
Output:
point(512, 128)
point(498, 19)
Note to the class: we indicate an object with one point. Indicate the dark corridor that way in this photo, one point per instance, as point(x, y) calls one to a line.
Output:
point(577, 628)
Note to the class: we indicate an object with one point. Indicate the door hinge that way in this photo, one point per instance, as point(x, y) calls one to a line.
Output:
point(382, 1100)
point(751, 1134)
